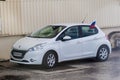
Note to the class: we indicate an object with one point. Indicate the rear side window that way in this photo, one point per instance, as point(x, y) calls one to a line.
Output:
point(87, 31)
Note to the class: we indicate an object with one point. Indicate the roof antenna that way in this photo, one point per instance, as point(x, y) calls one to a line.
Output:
point(84, 19)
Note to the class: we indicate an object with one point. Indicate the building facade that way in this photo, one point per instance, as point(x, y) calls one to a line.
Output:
point(19, 17)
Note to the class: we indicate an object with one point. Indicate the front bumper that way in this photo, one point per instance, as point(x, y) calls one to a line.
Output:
point(34, 57)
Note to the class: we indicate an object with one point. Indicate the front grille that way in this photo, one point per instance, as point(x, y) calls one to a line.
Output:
point(18, 54)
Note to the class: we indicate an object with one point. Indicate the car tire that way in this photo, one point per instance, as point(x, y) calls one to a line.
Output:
point(50, 60)
point(102, 54)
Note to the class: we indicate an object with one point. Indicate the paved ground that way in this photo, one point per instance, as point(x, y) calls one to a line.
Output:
point(86, 69)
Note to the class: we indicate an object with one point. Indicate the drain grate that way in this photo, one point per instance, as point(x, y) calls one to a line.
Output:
point(13, 77)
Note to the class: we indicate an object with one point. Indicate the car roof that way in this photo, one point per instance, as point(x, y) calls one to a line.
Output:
point(70, 24)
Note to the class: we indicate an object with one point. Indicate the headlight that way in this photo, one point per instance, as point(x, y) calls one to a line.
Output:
point(37, 47)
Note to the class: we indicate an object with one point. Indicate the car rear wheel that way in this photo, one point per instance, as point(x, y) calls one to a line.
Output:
point(103, 53)
point(49, 60)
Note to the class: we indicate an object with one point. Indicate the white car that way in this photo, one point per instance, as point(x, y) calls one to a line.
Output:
point(61, 42)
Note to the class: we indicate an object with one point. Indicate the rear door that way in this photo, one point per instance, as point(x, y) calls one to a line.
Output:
point(88, 40)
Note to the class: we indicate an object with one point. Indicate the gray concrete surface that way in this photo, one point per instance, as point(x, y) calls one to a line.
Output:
point(86, 69)
point(6, 45)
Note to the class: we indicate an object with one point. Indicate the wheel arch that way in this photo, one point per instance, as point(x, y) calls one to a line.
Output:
point(53, 52)
point(98, 57)
point(102, 46)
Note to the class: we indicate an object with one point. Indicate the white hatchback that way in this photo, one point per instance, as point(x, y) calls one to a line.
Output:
point(61, 42)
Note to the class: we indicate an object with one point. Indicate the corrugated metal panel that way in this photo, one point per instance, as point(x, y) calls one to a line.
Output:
point(11, 17)
point(24, 16)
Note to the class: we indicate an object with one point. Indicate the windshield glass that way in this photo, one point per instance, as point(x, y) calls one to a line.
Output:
point(47, 32)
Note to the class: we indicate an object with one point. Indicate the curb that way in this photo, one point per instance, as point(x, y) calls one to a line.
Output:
point(4, 60)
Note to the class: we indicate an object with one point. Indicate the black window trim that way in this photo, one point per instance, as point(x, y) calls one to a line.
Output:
point(80, 32)
point(58, 38)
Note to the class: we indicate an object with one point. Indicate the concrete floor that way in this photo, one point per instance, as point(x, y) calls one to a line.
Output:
point(86, 69)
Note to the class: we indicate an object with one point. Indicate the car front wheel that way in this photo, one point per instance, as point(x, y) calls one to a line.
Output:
point(49, 60)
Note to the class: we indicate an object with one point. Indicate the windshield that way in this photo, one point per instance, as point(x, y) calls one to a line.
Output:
point(47, 32)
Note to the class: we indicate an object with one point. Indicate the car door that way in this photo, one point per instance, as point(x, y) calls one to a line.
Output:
point(89, 40)
point(69, 49)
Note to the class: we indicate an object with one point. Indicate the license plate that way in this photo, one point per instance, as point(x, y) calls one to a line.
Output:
point(17, 54)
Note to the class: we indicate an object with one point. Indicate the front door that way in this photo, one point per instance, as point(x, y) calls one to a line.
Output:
point(70, 49)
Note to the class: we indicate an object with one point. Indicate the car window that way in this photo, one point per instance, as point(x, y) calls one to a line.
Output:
point(73, 32)
point(47, 32)
point(87, 31)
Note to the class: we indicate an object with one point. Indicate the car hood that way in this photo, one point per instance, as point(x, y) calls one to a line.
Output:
point(28, 42)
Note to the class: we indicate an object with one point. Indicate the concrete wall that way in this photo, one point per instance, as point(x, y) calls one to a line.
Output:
point(6, 46)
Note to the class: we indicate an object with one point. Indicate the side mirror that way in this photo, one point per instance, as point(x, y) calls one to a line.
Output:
point(66, 38)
